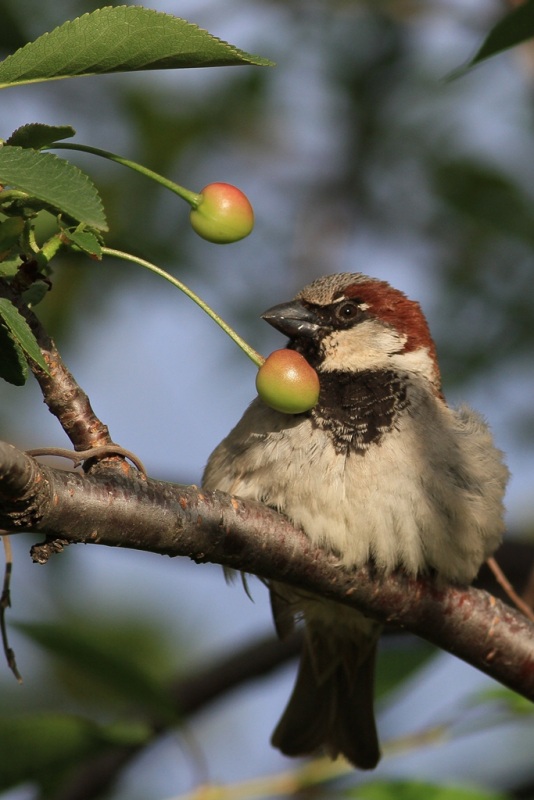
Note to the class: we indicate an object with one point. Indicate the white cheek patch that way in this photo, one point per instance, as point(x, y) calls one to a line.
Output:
point(419, 361)
point(368, 345)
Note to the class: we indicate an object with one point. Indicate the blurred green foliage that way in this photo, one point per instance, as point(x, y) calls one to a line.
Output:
point(419, 790)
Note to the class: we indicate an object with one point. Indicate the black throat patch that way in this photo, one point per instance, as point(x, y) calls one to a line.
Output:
point(357, 409)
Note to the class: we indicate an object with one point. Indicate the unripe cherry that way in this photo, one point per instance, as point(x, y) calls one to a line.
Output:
point(223, 214)
point(287, 383)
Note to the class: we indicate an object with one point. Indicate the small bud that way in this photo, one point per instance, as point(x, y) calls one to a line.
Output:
point(223, 215)
point(287, 383)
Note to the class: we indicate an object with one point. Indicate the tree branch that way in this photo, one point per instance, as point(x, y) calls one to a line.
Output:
point(110, 508)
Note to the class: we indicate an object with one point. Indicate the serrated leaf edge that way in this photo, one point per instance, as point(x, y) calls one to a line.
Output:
point(247, 58)
point(74, 169)
point(33, 353)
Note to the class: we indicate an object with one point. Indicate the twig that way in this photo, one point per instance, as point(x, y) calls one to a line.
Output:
point(503, 581)
point(317, 772)
point(79, 456)
point(528, 592)
point(5, 603)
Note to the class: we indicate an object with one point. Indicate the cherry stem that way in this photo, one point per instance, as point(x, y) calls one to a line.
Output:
point(246, 348)
point(192, 198)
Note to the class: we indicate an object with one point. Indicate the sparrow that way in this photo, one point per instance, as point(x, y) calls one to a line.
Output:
point(380, 471)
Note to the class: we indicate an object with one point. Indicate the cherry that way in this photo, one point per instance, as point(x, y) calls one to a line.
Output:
point(287, 383)
point(223, 214)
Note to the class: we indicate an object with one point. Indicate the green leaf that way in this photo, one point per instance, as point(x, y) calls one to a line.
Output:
point(38, 747)
point(43, 747)
point(418, 790)
point(37, 135)
point(119, 39)
point(21, 332)
point(516, 27)
point(127, 734)
point(396, 662)
point(35, 293)
point(13, 365)
point(10, 233)
point(513, 29)
point(107, 666)
point(513, 702)
point(53, 181)
point(86, 241)
point(10, 266)
point(487, 196)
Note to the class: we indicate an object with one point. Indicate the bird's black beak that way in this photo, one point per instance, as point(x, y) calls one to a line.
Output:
point(293, 319)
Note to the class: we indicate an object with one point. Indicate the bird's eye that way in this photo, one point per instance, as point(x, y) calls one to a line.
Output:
point(346, 312)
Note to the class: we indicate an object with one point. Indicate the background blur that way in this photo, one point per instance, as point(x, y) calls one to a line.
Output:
point(357, 155)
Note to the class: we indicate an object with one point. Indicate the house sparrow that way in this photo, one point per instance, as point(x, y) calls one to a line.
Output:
point(381, 470)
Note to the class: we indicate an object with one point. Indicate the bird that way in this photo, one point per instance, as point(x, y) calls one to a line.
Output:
point(381, 471)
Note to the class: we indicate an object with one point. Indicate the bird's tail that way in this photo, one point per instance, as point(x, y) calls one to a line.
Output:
point(331, 707)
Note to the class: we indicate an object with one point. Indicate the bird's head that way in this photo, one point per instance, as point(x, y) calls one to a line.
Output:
point(350, 322)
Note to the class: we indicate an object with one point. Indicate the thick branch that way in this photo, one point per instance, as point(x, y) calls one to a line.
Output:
point(109, 508)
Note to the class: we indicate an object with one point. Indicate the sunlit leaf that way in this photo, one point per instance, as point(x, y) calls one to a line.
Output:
point(119, 39)
point(10, 266)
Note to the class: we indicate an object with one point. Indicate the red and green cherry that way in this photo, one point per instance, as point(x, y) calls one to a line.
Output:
point(222, 214)
point(287, 383)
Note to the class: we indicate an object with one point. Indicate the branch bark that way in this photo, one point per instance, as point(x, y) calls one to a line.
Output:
point(108, 507)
